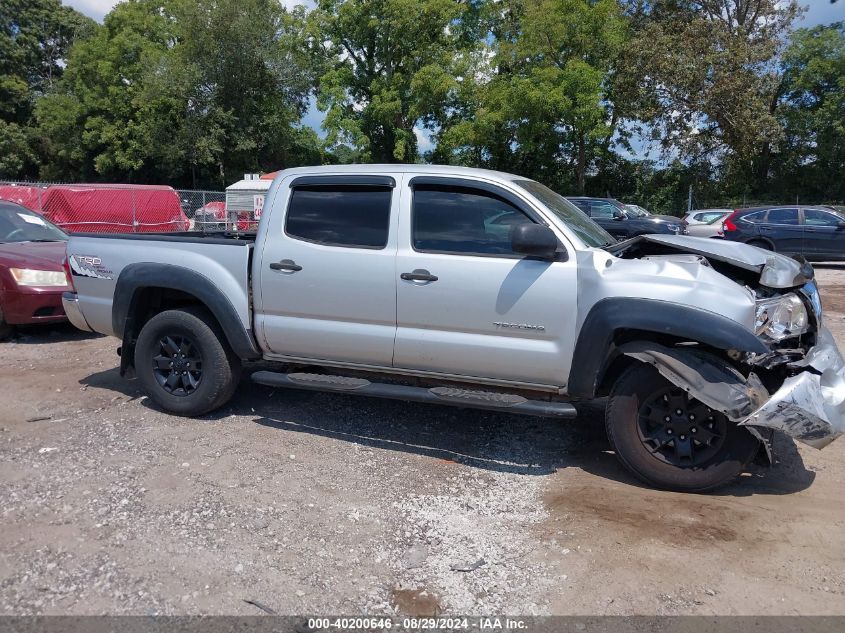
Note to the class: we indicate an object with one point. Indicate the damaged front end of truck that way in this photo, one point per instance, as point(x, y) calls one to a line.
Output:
point(793, 381)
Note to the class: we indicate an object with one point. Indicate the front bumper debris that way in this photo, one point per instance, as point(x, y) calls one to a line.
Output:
point(809, 406)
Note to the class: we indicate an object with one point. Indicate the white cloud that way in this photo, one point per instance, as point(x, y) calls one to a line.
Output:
point(96, 9)
point(424, 142)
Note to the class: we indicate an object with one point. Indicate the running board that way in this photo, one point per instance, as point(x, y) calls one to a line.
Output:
point(454, 396)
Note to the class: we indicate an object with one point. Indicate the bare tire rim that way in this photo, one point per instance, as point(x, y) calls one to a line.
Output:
point(678, 430)
point(178, 365)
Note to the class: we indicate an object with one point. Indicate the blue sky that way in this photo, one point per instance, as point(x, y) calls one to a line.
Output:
point(818, 12)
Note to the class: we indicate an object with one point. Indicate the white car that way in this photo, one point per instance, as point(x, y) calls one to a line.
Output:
point(706, 222)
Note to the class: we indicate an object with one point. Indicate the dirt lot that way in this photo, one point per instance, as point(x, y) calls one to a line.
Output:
point(313, 503)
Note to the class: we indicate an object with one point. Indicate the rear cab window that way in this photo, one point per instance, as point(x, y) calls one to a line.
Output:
point(351, 216)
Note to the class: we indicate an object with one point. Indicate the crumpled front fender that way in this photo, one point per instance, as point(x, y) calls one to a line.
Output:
point(809, 406)
point(705, 377)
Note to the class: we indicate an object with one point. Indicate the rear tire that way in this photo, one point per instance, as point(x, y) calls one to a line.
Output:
point(184, 363)
point(695, 450)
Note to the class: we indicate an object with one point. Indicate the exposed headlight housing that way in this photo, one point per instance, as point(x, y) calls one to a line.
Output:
point(779, 318)
point(42, 278)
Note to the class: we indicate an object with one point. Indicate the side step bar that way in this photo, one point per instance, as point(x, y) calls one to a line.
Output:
point(510, 403)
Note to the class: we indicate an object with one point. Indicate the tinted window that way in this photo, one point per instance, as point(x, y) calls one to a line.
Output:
point(584, 205)
point(782, 216)
point(755, 218)
point(602, 210)
point(814, 217)
point(456, 220)
point(340, 216)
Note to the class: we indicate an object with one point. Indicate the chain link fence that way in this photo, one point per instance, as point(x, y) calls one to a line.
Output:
point(119, 208)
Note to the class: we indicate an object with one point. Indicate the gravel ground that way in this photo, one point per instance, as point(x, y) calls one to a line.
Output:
point(318, 503)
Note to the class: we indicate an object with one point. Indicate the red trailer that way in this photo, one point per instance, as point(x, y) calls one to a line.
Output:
point(114, 208)
point(24, 195)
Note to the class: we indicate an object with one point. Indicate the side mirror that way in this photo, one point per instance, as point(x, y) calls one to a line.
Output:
point(534, 240)
point(841, 224)
point(618, 215)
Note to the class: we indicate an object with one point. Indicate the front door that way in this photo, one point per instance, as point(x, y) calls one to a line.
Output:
point(466, 304)
point(327, 282)
point(783, 228)
point(824, 235)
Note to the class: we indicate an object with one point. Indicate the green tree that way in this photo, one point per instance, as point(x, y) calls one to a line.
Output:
point(704, 76)
point(35, 36)
point(375, 52)
point(535, 99)
point(182, 91)
point(236, 86)
point(91, 125)
point(812, 113)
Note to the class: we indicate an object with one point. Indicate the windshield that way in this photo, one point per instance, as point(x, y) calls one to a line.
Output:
point(636, 211)
point(589, 232)
point(19, 224)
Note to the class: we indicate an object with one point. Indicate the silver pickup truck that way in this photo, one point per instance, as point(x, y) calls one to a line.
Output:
point(478, 289)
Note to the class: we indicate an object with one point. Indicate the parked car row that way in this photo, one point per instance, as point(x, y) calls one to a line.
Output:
point(814, 232)
point(626, 221)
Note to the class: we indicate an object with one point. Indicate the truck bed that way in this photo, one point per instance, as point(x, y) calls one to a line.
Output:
point(99, 260)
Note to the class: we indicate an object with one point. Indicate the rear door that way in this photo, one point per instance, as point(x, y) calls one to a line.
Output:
point(782, 226)
point(326, 271)
point(466, 304)
point(823, 234)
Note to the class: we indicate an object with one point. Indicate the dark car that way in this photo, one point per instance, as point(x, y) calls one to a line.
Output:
point(32, 277)
point(622, 223)
point(817, 233)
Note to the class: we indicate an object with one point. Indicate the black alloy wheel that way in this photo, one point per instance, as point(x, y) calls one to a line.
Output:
point(680, 431)
point(178, 366)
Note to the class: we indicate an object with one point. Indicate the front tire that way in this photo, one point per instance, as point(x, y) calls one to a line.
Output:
point(670, 440)
point(184, 363)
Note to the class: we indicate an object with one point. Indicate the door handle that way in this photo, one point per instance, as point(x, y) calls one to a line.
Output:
point(286, 264)
point(420, 274)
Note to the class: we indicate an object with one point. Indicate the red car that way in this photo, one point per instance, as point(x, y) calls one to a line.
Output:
point(32, 278)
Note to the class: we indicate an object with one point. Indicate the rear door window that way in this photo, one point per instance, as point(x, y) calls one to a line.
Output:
point(786, 216)
point(755, 218)
point(340, 215)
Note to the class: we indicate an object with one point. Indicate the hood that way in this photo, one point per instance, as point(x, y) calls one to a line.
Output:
point(776, 271)
point(657, 219)
point(38, 255)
